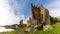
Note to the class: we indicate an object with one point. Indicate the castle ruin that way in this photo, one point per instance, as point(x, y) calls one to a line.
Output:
point(39, 19)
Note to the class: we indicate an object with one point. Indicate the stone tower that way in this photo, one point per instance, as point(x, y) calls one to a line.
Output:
point(40, 17)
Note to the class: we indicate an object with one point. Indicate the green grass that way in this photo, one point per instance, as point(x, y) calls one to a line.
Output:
point(54, 30)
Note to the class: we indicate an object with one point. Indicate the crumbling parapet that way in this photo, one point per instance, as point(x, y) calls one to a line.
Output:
point(40, 19)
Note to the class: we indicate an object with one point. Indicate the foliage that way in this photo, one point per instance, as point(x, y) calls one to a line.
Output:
point(53, 20)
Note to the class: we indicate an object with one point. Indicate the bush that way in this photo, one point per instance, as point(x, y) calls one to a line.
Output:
point(53, 20)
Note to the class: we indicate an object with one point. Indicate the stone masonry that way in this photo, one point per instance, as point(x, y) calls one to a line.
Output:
point(39, 18)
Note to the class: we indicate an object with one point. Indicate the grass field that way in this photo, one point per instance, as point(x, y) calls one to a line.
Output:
point(54, 30)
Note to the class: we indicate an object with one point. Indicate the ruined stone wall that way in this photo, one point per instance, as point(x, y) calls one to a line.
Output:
point(40, 17)
point(29, 22)
point(45, 15)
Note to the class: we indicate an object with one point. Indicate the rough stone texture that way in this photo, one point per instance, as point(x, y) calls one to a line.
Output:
point(31, 25)
point(45, 15)
point(47, 27)
point(29, 22)
point(36, 15)
point(40, 17)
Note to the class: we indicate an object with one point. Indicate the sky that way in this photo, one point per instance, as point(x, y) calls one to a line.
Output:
point(12, 11)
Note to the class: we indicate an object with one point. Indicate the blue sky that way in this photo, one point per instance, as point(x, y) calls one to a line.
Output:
point(12, 11)
point(24, 6)
point(24, 9)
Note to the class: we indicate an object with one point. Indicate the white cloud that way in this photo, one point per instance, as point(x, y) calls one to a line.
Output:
point(7, 16)
point(54, 8)
point(55, 3)
point(55, 12)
